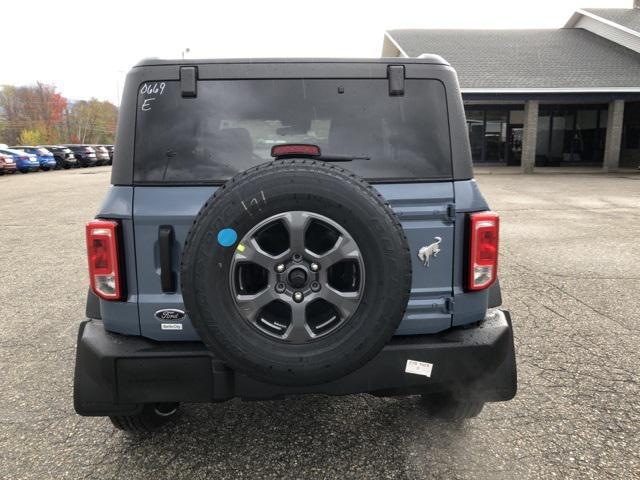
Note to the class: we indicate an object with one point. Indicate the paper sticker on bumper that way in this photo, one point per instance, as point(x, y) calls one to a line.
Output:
point(171, 326)
point(419, 368)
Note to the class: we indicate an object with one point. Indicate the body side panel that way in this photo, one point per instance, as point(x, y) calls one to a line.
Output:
point(122, 317)
point(469, 307)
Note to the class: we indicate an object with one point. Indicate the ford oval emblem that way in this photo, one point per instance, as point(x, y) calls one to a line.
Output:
point(172, 314)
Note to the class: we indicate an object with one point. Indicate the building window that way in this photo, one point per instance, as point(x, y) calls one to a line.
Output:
point(630, 154)
point(571, 134)
point(631, 126)
point(495, 134)
point(475, 129)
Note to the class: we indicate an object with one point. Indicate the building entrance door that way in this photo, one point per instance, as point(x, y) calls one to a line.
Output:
point(514, 135)
point(495, 136)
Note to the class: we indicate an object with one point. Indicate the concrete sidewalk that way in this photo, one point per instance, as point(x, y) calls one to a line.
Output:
point(503, 170)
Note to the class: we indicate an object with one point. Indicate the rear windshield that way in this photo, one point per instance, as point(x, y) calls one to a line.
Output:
point(232, 126)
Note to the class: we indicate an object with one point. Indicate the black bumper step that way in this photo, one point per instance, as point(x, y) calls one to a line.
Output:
point(116, 374)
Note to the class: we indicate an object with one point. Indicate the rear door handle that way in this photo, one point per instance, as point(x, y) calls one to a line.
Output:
point(167, 276)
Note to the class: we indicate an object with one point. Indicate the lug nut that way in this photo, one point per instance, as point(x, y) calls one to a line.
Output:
point(315, 286)
point(314, 267)
point(280, 268)
point(297, 297)
point(280, 287)
point(297, 257)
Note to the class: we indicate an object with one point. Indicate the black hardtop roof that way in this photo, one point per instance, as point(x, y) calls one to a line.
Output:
point(424, 59)
point(431, 67)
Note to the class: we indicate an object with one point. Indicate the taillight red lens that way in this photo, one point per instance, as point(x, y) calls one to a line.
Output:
point(102, 252)
point(295, 149)
point(483, 249)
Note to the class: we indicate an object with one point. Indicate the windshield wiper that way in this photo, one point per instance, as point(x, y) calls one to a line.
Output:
point(341, 158)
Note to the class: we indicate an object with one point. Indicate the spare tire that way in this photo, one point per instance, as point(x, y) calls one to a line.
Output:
point(296, 272)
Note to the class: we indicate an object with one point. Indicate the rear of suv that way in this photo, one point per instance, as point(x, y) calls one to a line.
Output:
point(288, 227)
point(7, 164)
point(85, 155)
point(63, 155)
point(102, 155)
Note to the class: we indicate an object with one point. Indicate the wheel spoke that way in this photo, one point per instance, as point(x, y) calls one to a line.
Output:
point(297, 332)
point(345, 302)
point(296, 223)
point(344, 249)
point(287, 288)
point(254, 254)
point(250, 305)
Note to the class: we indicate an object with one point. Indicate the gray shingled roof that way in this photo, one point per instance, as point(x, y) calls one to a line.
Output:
point(563, 58)
point(627, 17)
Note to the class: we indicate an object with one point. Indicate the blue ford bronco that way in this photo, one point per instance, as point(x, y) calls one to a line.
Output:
point(280, 227)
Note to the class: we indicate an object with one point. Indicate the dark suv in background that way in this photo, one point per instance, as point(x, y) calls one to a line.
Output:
point(102, 155)
point(85, 154)
point(64, 157)
point(110, 150)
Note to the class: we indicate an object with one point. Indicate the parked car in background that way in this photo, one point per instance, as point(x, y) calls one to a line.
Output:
point(44, 156)
point(63, 155)
point(85, 154)
point(102, 154)
point(25, 162)
point(7, 165)
point(110, 150)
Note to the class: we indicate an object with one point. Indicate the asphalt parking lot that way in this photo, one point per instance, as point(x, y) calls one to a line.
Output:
point(570, 271)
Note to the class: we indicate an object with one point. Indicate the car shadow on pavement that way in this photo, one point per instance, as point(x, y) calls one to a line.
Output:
point(357, 436)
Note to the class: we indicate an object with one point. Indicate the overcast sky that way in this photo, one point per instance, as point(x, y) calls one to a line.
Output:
point(85, 48)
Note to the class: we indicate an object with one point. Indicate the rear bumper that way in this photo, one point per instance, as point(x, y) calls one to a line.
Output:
point(87, 161)
point(116, 374)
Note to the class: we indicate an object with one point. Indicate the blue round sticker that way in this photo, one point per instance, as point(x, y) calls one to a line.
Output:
point(227, 237)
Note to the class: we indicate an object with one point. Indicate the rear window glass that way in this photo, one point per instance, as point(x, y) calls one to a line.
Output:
point(232, 126)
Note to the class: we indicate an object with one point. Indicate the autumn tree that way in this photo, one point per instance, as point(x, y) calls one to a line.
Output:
point(41, 115)
point(14, 116)
point(36, 136)
point(92, 121)
point(32, 108)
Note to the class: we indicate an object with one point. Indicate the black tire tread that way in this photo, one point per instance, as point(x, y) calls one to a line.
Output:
point(145, 421)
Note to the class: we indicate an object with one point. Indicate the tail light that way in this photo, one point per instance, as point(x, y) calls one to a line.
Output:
point(294, 150)
point(102, 252)
point(483, 249)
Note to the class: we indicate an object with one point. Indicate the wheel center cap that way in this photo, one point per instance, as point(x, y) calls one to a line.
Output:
point(297, 277)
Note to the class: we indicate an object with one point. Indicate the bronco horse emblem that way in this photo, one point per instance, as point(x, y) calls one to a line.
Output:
point(425, 253)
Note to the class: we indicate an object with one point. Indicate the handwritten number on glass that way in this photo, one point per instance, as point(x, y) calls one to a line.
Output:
point(155, 89)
